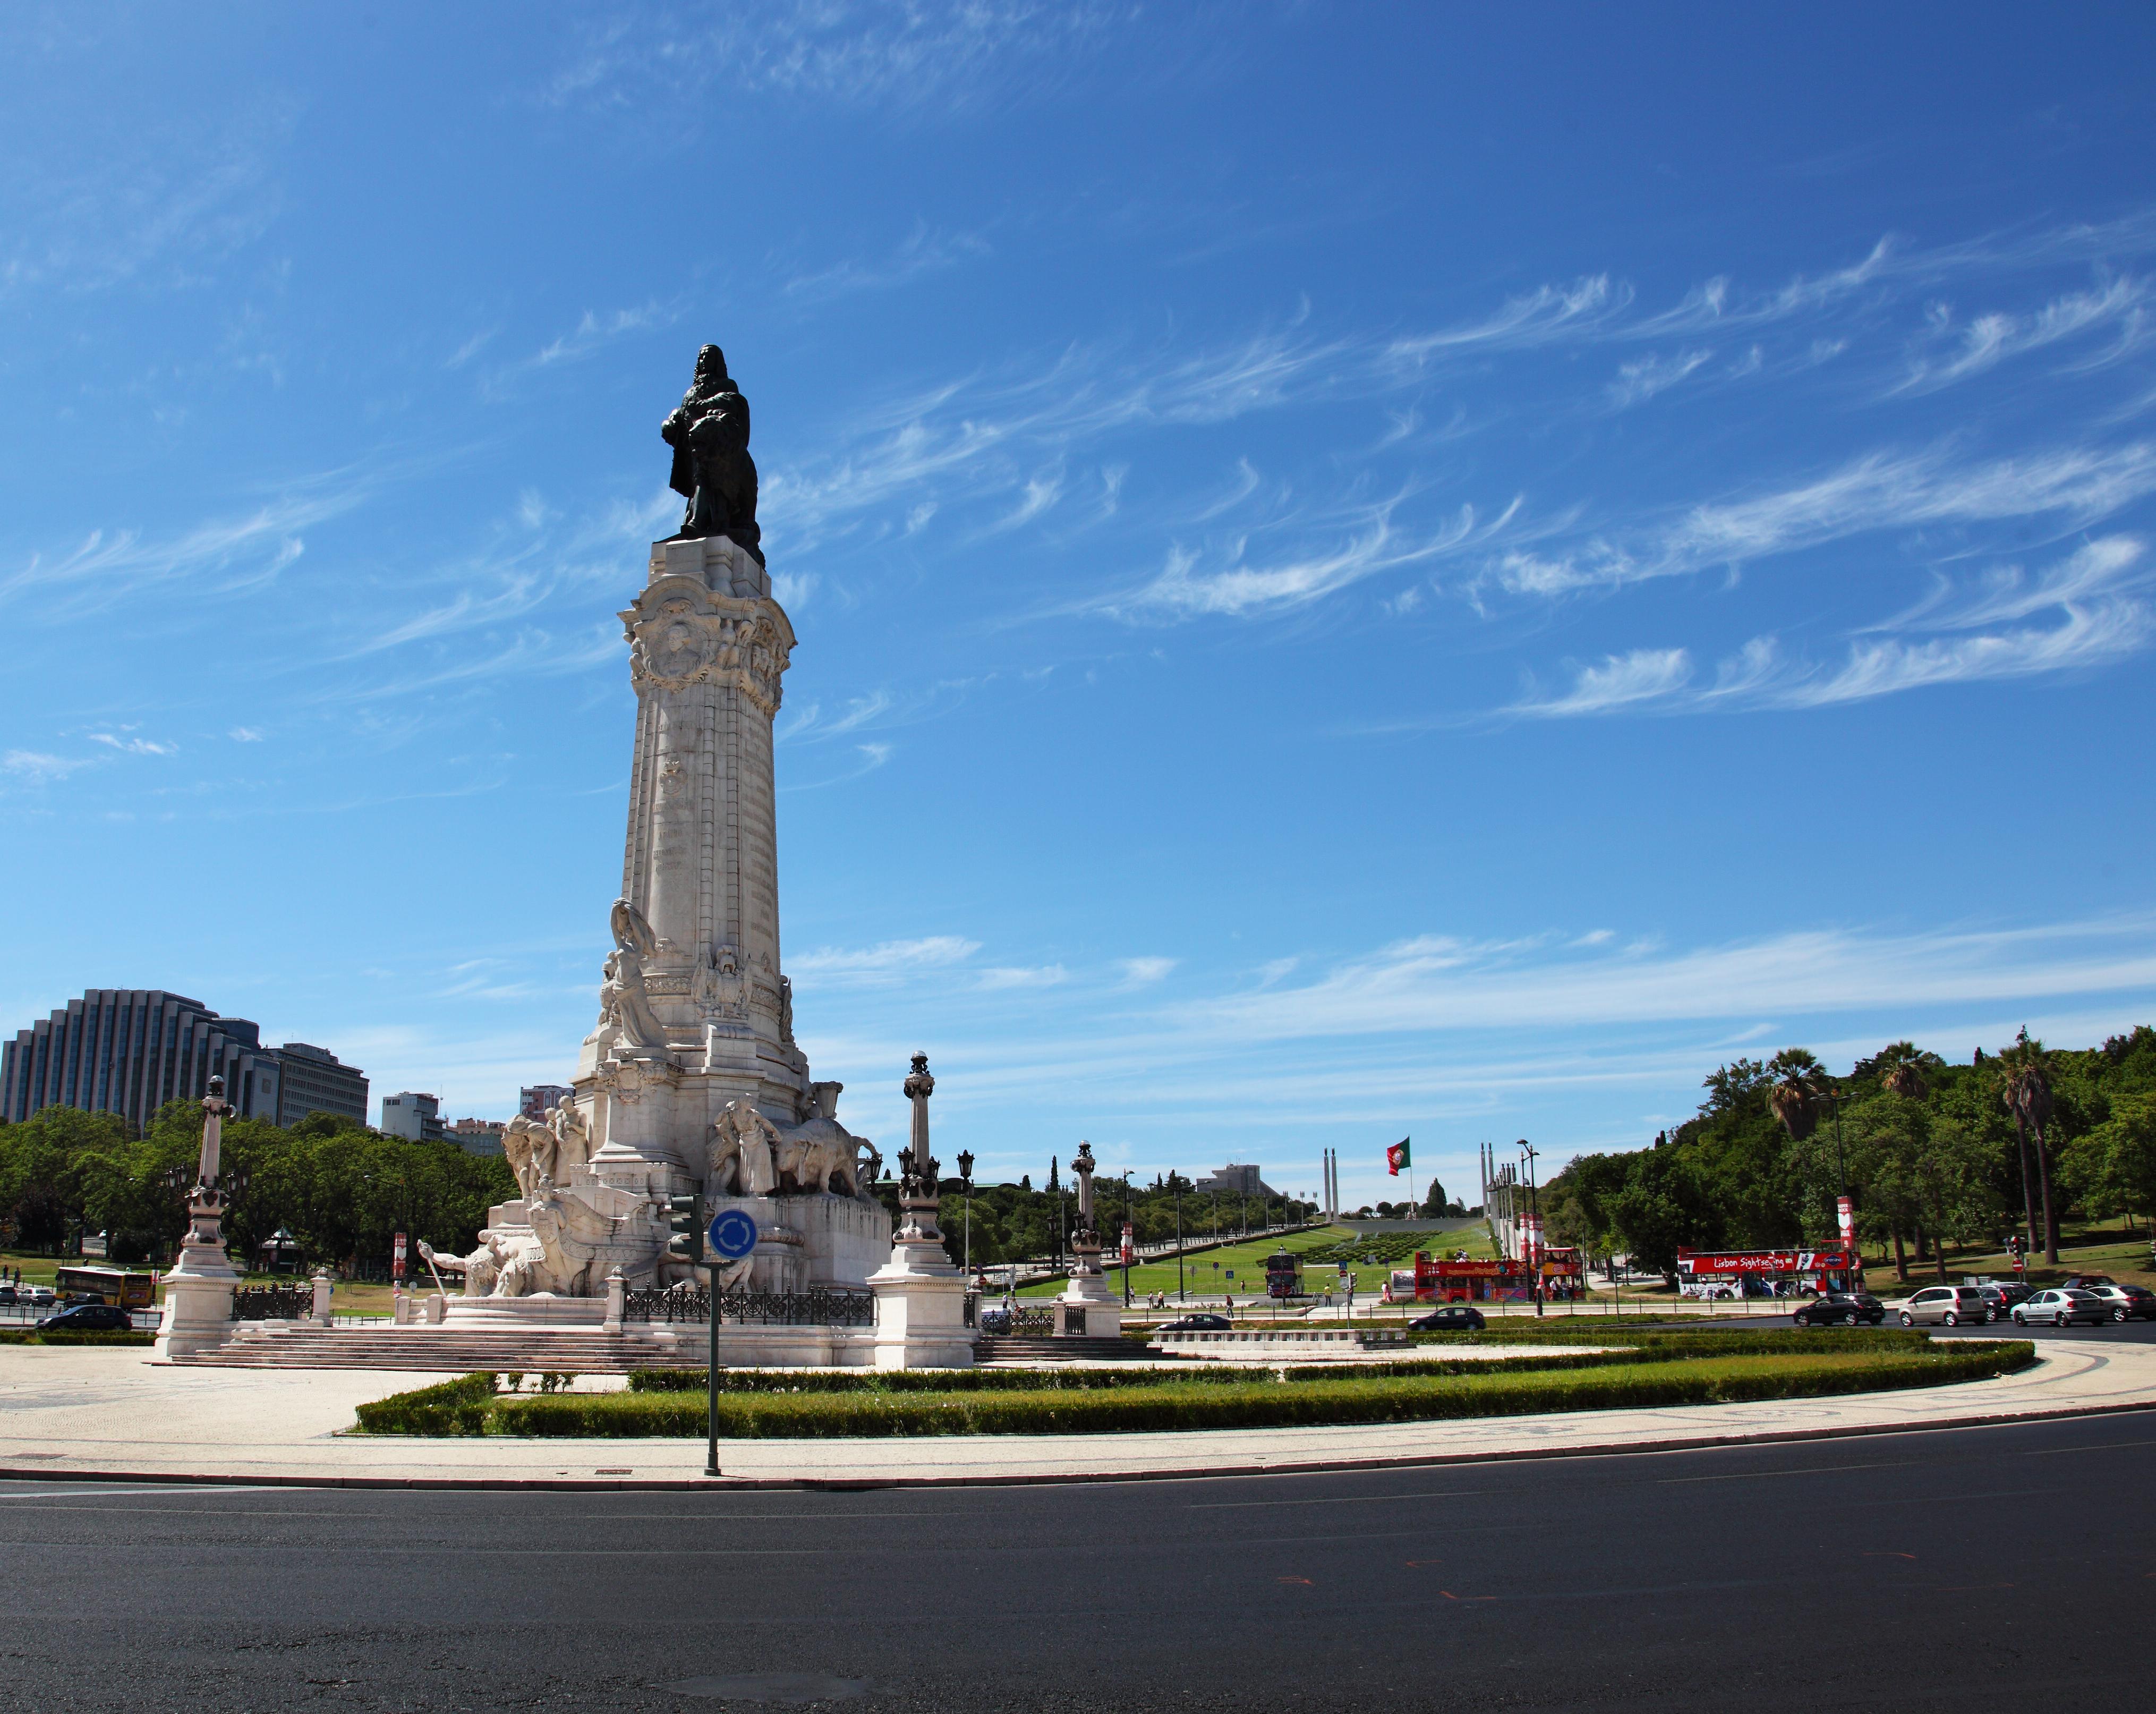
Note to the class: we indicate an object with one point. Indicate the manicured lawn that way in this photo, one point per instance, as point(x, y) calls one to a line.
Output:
point(1207, 1272)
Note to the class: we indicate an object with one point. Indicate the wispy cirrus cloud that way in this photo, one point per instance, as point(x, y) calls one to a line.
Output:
point(2118, 305)
point(225, 555)
point(888, 961)
point(943, 55)
point(1973, 635)
point(2072, 486)
point(923, 251)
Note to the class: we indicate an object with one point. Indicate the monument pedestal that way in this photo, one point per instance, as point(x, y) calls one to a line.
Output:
point(1089, 1307)
point(197, 1313)
point(921, 1299)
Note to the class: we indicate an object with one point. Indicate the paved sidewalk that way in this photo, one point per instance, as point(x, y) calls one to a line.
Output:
point(109, 1413)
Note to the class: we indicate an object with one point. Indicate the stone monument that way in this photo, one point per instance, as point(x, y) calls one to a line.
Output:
point(1088, 1307)
point(690, 1080)
point(921, 1296)
point(198, 1287)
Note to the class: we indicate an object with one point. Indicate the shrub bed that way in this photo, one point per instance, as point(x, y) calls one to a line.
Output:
point(1177, 1401)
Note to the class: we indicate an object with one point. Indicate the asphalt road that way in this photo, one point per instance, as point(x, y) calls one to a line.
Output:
point(1988, 1567)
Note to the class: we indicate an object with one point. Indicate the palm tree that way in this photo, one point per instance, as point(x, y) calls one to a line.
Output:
point(2026, 1088)
point(1901, 1069)
point(1800, 1083)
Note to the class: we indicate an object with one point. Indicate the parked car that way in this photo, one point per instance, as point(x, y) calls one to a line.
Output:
point(2000, 1295)
point(7, 1293)
point(2088, 1282)
point(1197, 1321)
point(2127, 1303)
point(38, 1294)
point(89, 1318)
point(1948, 1305)
point(1840, 1309)
point(1453, 1318)
point(2062, 1306)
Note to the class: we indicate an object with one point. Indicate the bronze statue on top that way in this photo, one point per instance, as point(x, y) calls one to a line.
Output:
point(709, 433)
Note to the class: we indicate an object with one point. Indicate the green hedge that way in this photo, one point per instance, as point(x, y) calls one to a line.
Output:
point(1179, 1402)
point(457, 1406)
point(69, 1336)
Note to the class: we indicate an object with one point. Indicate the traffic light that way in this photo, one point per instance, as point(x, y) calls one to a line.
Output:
point(684, 1220)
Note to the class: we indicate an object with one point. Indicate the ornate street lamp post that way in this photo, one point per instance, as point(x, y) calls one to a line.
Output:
point(1534, 1225)
point(965, 1180)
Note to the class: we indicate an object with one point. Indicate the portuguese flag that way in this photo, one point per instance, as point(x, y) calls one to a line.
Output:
point(1396, 1158)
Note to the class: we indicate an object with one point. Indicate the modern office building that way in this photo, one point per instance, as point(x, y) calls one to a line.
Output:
point(477, 1136)
point(540, 1099)
point(1234, 1180)
point(315, 1081)
point(130, 1050)
point(418, 1117)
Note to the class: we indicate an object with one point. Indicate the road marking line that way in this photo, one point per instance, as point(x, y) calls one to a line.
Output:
point(2107, 1446)
point(1815, 1469)
point(1331, 1499)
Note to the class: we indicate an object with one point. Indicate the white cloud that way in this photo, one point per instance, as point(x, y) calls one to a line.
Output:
point(1436, 982)
point(1143, 972)
point(594, 332)
point(2101, 621)
point(2118, 301)
point(1643, 378)
point(1616, 683)
point(1048, 975)
point(924, 251)
point(37, 766)
point(246, 734)
point(887, 962)
point(135, 746)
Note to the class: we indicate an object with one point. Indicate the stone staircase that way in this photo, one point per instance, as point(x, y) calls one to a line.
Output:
point(575, 1351)
point(1019, 1348)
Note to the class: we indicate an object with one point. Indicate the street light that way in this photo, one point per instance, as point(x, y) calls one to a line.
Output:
point(1534, 1225)
point(966, 1178)
point(1175, 1184)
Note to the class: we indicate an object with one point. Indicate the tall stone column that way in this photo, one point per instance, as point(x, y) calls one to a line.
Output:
point(198, 1287)
point(1088, 1306)
point(920, 1297)
point(700, 1012)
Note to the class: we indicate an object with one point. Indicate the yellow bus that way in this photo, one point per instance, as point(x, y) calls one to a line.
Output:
point(130, 1289)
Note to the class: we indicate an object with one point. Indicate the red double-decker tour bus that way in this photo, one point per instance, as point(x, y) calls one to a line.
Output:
point(1484, 1280)
point(1771, 1272)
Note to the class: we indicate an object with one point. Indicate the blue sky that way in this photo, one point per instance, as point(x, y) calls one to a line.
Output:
point(1360, 571)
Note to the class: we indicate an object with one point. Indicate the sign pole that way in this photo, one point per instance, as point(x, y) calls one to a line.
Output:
point(712, 1375)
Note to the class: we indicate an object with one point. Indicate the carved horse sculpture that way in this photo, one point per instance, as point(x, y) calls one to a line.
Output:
point(750, 1156)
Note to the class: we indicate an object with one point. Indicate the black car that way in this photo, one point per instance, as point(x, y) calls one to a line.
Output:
point(1453, 1318)
point(2000, 1296)
point(1841, 1310)
point(89, 1318)
point(1197, 1321)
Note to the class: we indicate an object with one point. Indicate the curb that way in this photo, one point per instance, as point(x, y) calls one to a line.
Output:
point(723, 1483)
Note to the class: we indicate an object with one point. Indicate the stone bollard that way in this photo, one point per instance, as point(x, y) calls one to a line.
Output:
point(397, 1305)
point(437, 1309)
point(617, 1301)
point(322, 1297)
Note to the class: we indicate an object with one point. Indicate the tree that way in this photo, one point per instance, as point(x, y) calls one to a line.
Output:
point(1663, 1207)
point(1800, 1082)
point(1433, 1202)
point(2114, 1165)
point(2024, 1086)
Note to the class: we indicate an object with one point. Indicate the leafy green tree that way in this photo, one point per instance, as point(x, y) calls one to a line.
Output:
point(2024, 1086)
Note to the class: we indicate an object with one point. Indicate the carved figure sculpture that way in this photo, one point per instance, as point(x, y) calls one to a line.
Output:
point(531, 1148)
point(740, 1161)
point(750, 1156)
point(573, 1148)
point(709, 433)
point(481, 1268)
point(626, 1019)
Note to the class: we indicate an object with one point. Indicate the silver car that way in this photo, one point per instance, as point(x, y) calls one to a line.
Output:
point(2062, 1306)
point(1949, 1305)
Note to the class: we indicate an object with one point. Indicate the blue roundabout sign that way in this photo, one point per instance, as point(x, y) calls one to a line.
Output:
point(732, 1234)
